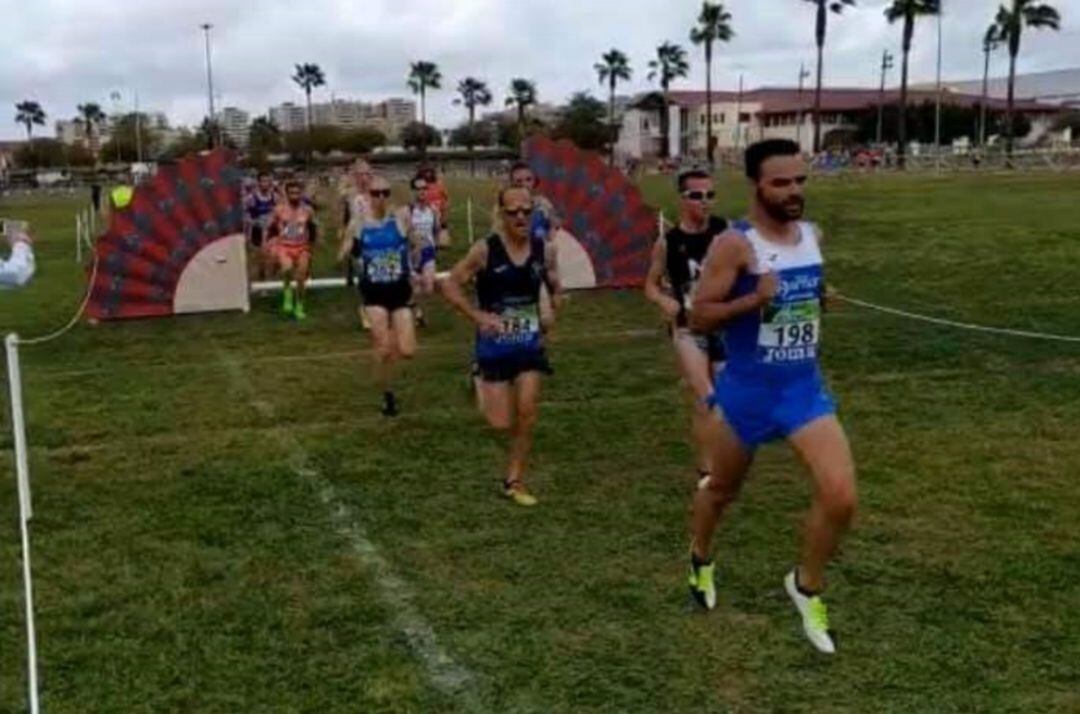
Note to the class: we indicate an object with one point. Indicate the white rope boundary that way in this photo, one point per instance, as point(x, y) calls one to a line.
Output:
point(971, 327)
point(74, 318)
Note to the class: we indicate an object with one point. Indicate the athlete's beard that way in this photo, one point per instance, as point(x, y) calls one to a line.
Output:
point(783, 211)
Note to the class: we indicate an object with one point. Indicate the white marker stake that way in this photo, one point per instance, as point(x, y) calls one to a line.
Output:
point(468, 210)
point(22, 472)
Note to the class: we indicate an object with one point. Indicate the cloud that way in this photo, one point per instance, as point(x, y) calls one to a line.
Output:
point(65, 52)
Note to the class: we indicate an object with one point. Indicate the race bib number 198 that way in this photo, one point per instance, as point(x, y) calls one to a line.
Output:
point(790, 333)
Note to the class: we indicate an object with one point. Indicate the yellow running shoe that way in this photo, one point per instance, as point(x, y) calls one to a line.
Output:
point(516, 492)
point(702, 582)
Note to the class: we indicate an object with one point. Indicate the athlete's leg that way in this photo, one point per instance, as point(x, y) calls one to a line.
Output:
point(730, 460)
point(526, 402)
point(285, 267)
point(404, 333)
point(823, 447)
point(303, 267)
point(696, 371)
point(382, 337)
point(427, 278)
point(495, 400)
point(547, 309)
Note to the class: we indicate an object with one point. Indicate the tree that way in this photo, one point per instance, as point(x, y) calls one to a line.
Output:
point(422, 77)
point(991, 41)
point(908, 11)
point(512, 136)
point(714, 25)
point(91, 116)
point(41, 154)
point(582, 122)
point(1010, 26)
point(264, 137)
point(481, 133)
point(824, 7)
point(522, 95)
point(669, 65)
point(309, 76)
point(29, 113)
point(613, 67)
point(474, 93)
point(362, 141)
point(129, 135)
point(186, 143)
point(419, 136)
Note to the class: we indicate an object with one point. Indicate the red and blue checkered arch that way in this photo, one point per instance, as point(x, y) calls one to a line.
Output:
point(599, 206)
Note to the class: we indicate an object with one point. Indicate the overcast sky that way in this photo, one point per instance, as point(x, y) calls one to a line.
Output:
point(64, 52)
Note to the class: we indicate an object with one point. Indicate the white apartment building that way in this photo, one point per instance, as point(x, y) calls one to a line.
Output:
point(235, 124)
point(389, 117)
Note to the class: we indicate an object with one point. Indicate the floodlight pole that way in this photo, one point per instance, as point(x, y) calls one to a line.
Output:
point(803, 74)
point(206, 27)
point(886, 65)
point(937, 108)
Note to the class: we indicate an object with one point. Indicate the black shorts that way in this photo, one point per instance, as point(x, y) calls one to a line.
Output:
point(712, 345)
point(509, 368)
point(256, 235)
point(390, 297)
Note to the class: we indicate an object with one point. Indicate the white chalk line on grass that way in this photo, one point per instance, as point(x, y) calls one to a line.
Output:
point(463, 346)
point(447, 675)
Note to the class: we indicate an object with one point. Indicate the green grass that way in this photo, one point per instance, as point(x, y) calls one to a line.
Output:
point(184, 564)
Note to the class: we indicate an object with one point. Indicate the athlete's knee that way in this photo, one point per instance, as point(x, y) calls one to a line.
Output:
point(499, 421)
point(838, 497)
point(384, 351)
point(723, 489)
point(526, 417)
point(407, 351)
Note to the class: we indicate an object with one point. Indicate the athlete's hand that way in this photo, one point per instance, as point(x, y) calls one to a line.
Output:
point(831, 299)
point(767, 287)
point(489, 324)
point(671, 309)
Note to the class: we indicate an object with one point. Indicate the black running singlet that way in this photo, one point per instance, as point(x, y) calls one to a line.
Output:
point(685, 255)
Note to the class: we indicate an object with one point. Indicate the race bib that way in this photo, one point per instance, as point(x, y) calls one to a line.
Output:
point(294, 233)
point(521, 325)
point(384, 267)
point(790, 333)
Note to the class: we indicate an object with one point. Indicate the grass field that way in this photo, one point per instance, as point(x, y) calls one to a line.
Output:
point(225, 524)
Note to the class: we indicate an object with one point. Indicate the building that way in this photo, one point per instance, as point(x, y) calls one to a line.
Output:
point(1061, 87)
point(236, 125)
point(73, 131)
point(775, 113)
point(388, 117)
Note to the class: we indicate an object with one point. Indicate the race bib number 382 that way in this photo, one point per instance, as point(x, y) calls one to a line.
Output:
point(790, 333)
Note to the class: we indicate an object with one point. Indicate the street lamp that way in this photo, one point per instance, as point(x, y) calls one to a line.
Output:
point(206, 27)
point(803, 74)
point(886, 65)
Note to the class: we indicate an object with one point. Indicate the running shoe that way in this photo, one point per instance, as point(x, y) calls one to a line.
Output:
point(288, 304)
point(516, 492)
point(815, 616)
point(702, 583)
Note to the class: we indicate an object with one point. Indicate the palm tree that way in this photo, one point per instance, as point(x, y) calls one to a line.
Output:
point(612, 68)
point(522, 95)
point(714, 25)
point(422, 77)
point(908, 11)
point(309, 76)
point(90, 114)
point(474, 93)
point(823, 9)
point(28, 113)
point(990, 43)
point(669, 65)
point(1010, 25)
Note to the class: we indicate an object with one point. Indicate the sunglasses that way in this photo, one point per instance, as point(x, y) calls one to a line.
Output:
point(699, 195)
point(518, 212)
point(383, 193)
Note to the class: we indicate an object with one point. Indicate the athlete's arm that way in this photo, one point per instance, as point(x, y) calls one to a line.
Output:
point(347, 233)
point(727, 256)
point(830, 296)
point(462, 274)
point(654, 282)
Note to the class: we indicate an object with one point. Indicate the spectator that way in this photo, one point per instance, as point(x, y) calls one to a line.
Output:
point(16, 271)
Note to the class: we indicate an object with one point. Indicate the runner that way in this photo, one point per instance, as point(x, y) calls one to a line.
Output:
point(259, 205)
point(425, 221)
point(677, 258)
point(439, 199)
point(510, 268)
point(381, 240)
point(355, 202)
point(763, 282)
point(292, 231)
point(543, 225)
